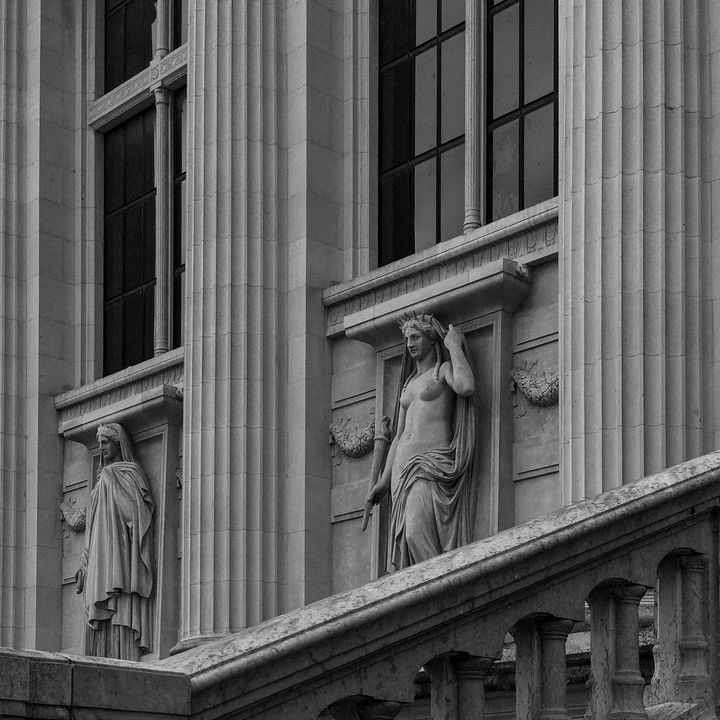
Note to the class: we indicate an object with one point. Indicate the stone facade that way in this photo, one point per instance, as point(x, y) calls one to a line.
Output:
point(604, 297)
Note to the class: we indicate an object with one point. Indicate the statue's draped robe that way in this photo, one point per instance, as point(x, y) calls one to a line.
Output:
point(433, 497)
point(118, 558)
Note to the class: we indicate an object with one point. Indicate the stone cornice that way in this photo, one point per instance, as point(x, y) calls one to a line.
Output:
point(133, 94)
point(523, 234)
point(102, 396)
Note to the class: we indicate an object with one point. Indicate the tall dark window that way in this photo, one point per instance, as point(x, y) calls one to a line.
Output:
point(128, 39)
point(179, 224)
point(522, 104)
point(129, 273)
point(421, 192)
point(144, 183)
point(422, 124)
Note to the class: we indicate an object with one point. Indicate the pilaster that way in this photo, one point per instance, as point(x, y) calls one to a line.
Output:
point(633, 263)
point(256, 492)
point(37, 212)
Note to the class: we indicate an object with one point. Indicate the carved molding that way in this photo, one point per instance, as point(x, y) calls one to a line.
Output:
point(356, 442)
point(541, 389)
point(72, 515)
point(162, 371)
point(515, 242)
point(138, 90)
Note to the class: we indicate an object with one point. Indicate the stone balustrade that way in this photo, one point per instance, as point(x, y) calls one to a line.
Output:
point(356, 655)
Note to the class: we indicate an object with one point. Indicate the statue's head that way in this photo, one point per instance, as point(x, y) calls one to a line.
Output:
point(111, 431)
point(116, 433)
point(424, 323)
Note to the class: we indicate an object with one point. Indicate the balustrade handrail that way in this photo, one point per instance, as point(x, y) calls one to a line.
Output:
point(371, 641)
point(348, 634)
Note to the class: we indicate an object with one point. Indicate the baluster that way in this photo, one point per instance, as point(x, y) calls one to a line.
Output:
point(553, 690)
point(616, 683)
point(457, 686)
point(694, 677)
point(471, 672)
point(443, 688)
point(541, 674)
point(628, 683)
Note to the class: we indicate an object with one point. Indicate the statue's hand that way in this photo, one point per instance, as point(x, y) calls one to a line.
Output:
point(377, 493)
point(453, 339)
point(80, 580)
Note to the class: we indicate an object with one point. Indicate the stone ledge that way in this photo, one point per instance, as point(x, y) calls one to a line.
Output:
point(56, 685)
point(109, 395)
point(473, 293)
point(527, 236)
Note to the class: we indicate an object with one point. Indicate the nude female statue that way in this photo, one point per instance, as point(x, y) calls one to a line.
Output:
point(430, 461)
point(116, 577)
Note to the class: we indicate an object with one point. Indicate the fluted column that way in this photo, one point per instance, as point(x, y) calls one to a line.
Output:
point(234, 359)
point(256, 494)
point(635, 286)
point(12, 354)
point(38, 195)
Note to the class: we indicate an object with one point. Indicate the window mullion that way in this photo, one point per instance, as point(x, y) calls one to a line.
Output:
point(163, 208)
point(474, 115)
point(162, 20)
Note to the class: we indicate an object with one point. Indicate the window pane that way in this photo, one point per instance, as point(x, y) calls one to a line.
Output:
point(425, 181)
point(113, 338)
point(505, 61)
point(132, 247)
point(139, 17)
point(148, 239)
point(179, 132)
point(133, 328)
point(425, 101)
point(505, 170)
point(395, 120)
point(539, 48)
point(395, 218)
point(425, 20)
point(178, 304)
point(394, 29)
point(148, 297)
point(453, 87)
point(452, 183)
point(128, 40)
point(453, 12)
point(180, 23)
point(113, 255)
point(114, 176)
point(114, 48)
point(539, 161)
point(179, 223)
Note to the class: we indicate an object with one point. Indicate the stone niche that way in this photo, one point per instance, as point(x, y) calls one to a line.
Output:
point(152, 413)
point(367, 361)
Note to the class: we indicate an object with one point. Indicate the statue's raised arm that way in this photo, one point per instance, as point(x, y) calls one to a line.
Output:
point(430, 462)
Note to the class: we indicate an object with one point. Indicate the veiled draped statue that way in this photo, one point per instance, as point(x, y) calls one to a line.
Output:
point(429, 466)
point(116, 576)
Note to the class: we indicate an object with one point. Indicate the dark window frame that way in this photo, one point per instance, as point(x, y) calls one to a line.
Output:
point(403, 244)
point(523, 110)
point(388, 252)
